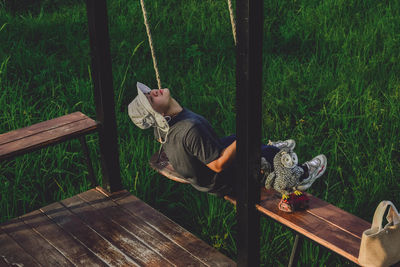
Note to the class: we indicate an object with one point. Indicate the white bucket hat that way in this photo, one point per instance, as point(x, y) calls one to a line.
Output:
point(142, 114)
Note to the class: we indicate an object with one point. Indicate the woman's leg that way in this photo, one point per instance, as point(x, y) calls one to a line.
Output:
point(268, 152)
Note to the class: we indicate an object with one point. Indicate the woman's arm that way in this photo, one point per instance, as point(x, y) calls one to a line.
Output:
point(225, 159)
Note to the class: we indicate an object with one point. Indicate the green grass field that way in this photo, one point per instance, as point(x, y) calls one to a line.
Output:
point(331, 82)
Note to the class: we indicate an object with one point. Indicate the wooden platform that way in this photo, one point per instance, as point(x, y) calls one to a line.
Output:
point(98, 229)
point(45, 133)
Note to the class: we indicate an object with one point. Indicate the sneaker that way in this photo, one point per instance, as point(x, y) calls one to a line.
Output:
point(266, 169)
point(265, 166)
point(290, 143)
point(316, 168)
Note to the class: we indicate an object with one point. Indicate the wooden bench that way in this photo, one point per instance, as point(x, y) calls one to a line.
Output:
point(97, 228)
point(45, 133)
point(322, 222)
point(51, 132)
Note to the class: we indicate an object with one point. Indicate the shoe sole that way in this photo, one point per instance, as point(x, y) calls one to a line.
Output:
point(291, 144)
point(323, 167)
point(305, 184)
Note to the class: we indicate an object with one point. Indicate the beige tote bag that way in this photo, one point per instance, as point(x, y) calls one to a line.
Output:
point(381, 246)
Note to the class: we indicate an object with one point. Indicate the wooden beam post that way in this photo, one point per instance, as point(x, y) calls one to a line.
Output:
point(249, 14)
point(104, 93)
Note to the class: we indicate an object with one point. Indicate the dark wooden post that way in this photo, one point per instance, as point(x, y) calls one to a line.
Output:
point(249, 14)
point(104, 93)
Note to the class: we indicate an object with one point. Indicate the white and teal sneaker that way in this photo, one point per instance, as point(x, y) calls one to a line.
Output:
point(290, 143)
point(316, 168)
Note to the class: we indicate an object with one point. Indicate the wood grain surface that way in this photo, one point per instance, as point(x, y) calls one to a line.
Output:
point(33, 244)
point(12, 254)
point(139, 228)
point(70, 247)
point(96, 228)
point(45, 133)
point(173, 231)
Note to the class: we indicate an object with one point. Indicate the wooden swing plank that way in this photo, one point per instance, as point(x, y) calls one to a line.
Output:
point(162, 165)
point(45, 133)
point(96, 228)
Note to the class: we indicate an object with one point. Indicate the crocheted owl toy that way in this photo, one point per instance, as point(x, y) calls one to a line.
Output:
point(285, 178)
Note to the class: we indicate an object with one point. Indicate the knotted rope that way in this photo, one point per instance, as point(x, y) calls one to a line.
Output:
point(153, 54)
point(232, 20)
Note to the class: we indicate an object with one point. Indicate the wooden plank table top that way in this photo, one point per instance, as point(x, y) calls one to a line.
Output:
point(45, 133)
point(96, 228)
point(322, 222)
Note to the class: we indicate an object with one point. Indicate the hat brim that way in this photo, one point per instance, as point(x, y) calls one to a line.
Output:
point(159, 120)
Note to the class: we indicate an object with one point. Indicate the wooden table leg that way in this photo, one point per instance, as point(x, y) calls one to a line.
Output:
point(85, 149)
point(297, 245)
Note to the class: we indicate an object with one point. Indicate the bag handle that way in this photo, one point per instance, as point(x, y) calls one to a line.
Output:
point(393, 215)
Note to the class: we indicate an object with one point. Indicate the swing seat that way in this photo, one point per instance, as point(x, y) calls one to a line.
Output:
point(164, 167)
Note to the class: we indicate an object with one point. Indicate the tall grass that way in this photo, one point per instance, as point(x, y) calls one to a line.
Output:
point(331, 82)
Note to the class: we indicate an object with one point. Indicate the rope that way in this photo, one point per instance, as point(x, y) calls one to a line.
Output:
point(153, 54)
point(232, 20)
